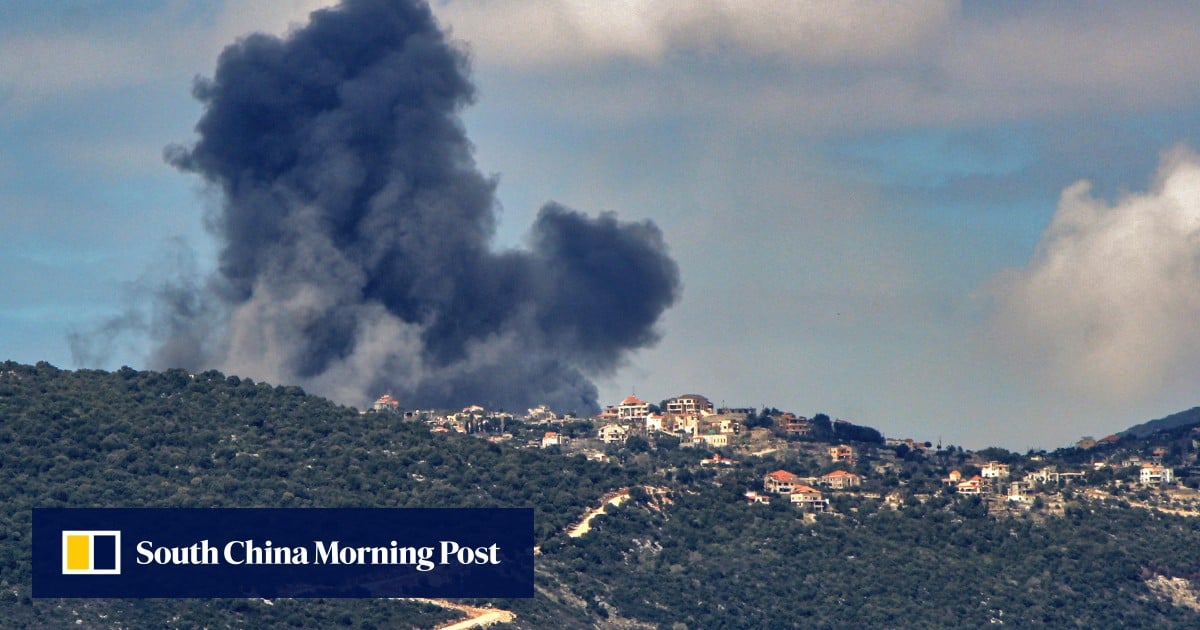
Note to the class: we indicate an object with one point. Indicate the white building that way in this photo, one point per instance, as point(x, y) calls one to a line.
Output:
point(1156, 475)
point(540, 413)
point(687, 425)
point(553, 438)
point(613, 434)
point(840, 480)
point(994, 470)
point(633, 409)
point(714, 439)
point(809, 497)
point(689, 404)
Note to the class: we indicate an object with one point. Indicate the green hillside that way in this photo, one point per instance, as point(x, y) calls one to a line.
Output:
point(696, 556)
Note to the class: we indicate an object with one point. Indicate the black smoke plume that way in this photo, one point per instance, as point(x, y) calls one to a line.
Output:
point(355, 233)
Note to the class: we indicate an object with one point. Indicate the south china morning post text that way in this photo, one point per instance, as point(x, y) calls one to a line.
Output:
point(239, 552)
point(261, 552)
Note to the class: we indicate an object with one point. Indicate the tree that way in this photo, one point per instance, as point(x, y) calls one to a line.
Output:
point(822, 426)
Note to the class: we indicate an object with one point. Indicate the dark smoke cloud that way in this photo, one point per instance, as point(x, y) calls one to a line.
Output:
point(169, 305)
point(356, 233)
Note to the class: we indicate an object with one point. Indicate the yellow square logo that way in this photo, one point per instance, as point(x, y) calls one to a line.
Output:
point(89, 552)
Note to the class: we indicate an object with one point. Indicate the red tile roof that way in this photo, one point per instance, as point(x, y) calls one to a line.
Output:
point(783, 475)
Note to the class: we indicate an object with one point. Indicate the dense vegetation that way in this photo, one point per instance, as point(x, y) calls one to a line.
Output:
point(701, 558)
point(130, 438)
point(944, 564)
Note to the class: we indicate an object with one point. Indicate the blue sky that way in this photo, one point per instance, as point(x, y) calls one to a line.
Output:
point(875, 207)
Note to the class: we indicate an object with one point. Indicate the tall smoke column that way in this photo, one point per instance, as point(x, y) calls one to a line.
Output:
point(356, 233)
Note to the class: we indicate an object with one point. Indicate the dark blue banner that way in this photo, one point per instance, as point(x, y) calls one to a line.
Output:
point(361, 552)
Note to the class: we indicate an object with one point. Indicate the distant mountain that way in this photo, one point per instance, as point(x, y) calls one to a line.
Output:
point(1173, 421)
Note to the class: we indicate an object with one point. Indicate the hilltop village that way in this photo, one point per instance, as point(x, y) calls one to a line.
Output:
point(823, 465)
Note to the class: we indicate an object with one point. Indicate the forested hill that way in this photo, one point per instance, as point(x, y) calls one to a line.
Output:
point(129, 439)
point(696, 556)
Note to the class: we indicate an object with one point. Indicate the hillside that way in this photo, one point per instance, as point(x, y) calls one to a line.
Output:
point(128, 438)
point(1190, 417)
point(687, 553)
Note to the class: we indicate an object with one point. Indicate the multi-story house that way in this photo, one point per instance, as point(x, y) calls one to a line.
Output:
point(689, 404)
point(809, 498)
point(633, 410)
point(792, 424)
point(994, 470)
point(974, 485)
point(1156, 475)
point(780, 481)
point(841, 453)
point(841, 480)
point(613, 434)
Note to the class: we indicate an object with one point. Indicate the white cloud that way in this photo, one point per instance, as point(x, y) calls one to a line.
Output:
point(1089, 57)
point(816, 65)
point(822, 68)
point(556, 33)
point(1107, 308)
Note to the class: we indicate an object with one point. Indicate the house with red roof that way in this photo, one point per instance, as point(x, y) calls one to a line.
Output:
point(780, 481)
point(841, 480)
point(810, 498)
point(974, 485)
point(633, 410)
point(553, 438)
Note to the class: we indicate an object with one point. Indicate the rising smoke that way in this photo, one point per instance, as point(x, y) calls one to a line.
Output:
point(355, 233)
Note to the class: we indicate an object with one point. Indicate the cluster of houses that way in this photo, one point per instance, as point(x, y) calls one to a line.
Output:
point(1150, 472)
point(695, 421)
point(800, 491)
point(465, 421)
point(994, 478)
point(690, 417)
